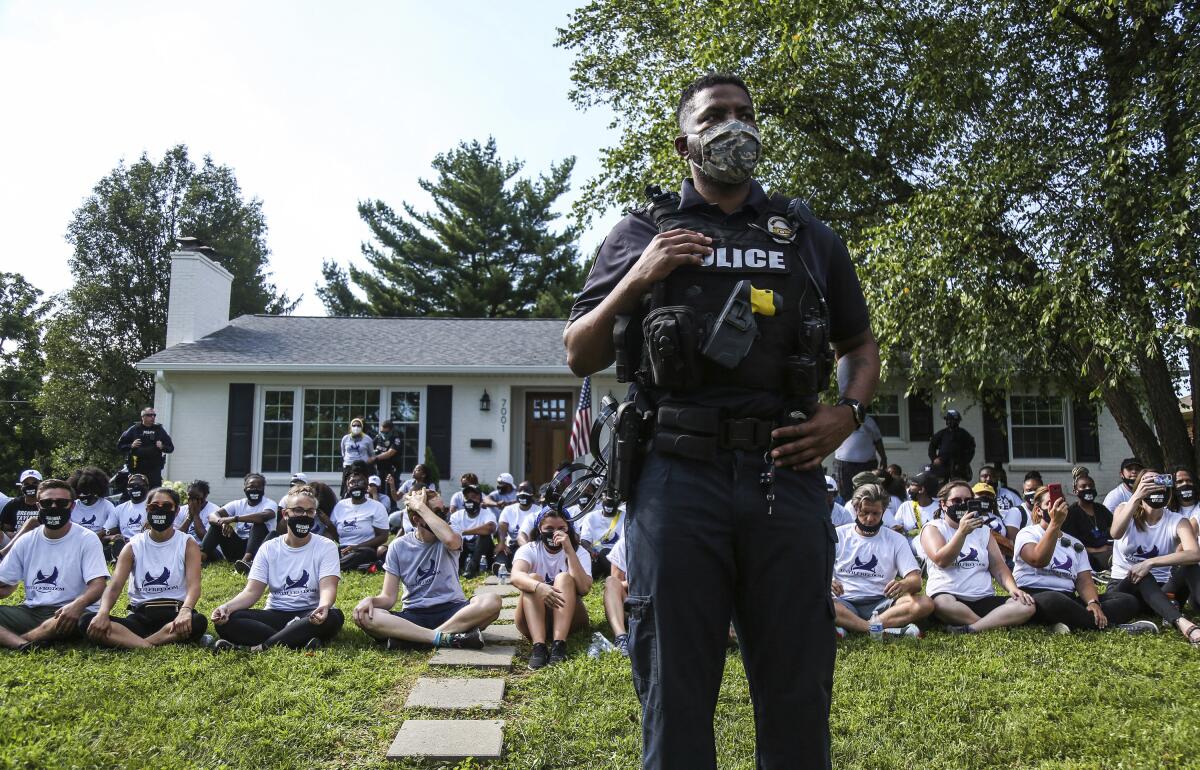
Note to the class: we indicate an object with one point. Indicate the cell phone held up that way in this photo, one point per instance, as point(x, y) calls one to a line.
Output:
point(1056, 493)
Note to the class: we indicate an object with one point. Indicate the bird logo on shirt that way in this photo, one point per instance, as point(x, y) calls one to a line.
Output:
point(350, 524)
point(161, 580)
point(970, 556)
point(865, 566)
point(426, 575)
point(135, 519)
point(291, 584)
point(46, 580)
point(1141, 554)
point(1062, 566)
point(88, 522)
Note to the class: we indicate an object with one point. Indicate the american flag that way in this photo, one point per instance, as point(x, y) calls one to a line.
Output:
point(581, 428)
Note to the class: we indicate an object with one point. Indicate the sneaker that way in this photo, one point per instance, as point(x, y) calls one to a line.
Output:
point(223, 645)
point(558, 651)
point(959, 630)
point(841, 632)
point(242, 567)
point(913, 630)
point(313, 645)
point(622, 644)
point(33, 646)
point(1060, 628)
point(539, 657)
point(1139, 627)
point(207, 641)
point(468, 640)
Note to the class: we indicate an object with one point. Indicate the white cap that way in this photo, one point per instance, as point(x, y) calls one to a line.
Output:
point(505, 478)
point(375, 480)
point(830, 484)
point(299, 477)
point(29, 474)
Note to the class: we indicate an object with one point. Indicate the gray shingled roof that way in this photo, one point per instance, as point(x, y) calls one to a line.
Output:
point(421, 344)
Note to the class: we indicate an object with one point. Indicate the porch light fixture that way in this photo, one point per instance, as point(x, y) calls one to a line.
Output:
point(485, 402)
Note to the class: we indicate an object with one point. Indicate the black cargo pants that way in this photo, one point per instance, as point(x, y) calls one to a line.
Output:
point(701, 550)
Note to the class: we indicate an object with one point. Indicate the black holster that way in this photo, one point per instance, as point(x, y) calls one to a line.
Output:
point(672, 339)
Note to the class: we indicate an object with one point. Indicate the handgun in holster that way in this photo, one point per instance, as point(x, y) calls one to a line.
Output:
point(626, 443)
point(734, 329)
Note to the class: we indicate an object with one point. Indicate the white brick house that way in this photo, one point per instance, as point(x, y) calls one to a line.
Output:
point(274, 394)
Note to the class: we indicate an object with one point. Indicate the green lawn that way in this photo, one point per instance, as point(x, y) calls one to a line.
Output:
point(1021, 699)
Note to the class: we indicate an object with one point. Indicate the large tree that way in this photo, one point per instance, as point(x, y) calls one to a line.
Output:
point(116, 312)
point(486, 251)
point(1018, 180)
point(22, 316)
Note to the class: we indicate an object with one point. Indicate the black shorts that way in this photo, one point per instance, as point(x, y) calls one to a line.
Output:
point(431, 617)
point(981, 606)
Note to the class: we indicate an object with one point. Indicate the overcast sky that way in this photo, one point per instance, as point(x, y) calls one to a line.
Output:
point(315, 105)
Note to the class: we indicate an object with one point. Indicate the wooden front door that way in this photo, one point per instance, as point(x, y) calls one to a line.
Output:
point(547, 433)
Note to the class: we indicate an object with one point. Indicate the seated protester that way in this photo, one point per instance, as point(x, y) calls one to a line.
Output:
point(616, 591)
point(962, 559)
point(193, 517)
point(985, 503)
point(359, 525)
point(162, 568)
point(301, 572)
point(434, 609)
point(1053, 568)
point(504, 494)
point(61, 568)
point(1006, 499)
point(1089, 522)
point(1183, 501)
point(419, 480)
point(837, 512)
point(1149, 540)
point(131, 514)
point(20, 513)
point(553, 574)
point(327, 500)
point(602, 529)
point(1033, 482)
point(893, 504)
point(476, 525)
point(547, 498)
point(382, 497)
point(464, 481)
point(920, 507)
point(239, 527)
point(92, 509)
point(874, 569)
point(1130, 468)
point(509, 524)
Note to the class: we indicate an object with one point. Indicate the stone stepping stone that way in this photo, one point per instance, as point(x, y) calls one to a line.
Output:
point(495, 633)
point(458, 693)
point(491, 580)
point(489, 657)
point(504, 590)
point(448, 739)
point(507, 615)
point(510, 601)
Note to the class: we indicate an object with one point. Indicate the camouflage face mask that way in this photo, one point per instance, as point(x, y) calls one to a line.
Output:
point(727, 152)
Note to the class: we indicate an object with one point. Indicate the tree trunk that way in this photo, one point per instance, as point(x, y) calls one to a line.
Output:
point(1164, 408)
point(1123, 405)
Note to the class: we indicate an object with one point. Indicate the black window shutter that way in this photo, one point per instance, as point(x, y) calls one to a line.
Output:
point(920, 417)
point(240, 429)
point(995, 427)
point(1087, 432)
point(439, 402)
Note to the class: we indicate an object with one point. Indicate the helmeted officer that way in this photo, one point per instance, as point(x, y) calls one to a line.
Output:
point(714, 528)
point(952, 448)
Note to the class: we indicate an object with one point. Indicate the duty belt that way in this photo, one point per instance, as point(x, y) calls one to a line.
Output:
point(697, 433)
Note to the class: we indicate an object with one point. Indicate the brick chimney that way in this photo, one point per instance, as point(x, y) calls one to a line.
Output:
point(199, 300)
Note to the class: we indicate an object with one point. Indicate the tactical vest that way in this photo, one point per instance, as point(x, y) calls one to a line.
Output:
point(766, 253)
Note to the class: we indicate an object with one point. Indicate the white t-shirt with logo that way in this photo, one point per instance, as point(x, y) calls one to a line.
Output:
point(550, 565)
point(514, 515)
point(529, 519)
point(182, 517)
point(865, 565)
point(1006, 499)
point(460, 521)
point(99, 517)
point(131, 518)
point(1065, 564)
point(912, 515)
point(603, 532)
point(293, 575)
point(1117, 495)
point(428, 570)
point(243, 507)
point(1137, 545)
point(158, 568)
point(968, 576)
point(840, 515)
point(356, 523)
point(54, 571)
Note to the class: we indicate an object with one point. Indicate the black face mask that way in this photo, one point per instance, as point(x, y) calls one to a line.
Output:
point(253, 496)
point(1187, 494)
point(957, 511)
point(160, 521)
point(608, 509)
point(30, 490)
point(88, 499)
point(869, 530)
point(471, 507)
point(1157, 499)
point(525, 500)
point(1029, 498)
point(914, 494)
point(1128, 482)
point(1088, 495)
point(546, 540)
point(53, 518)
point(584, 502)
point(358, 493)
point(300, 525)
point(137, 494)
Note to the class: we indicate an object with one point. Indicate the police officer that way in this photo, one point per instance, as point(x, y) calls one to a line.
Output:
point(146, 443)
point(728, 515)
point(952, 448)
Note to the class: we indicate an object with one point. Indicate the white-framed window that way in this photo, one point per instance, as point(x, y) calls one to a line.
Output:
point(885, 408)
point(1038, 428)
point(301, 429)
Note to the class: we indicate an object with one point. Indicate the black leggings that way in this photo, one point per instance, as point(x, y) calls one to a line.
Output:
point(144, 625)
point(1185, 584)
point(1151, 597)
point(233, 546)
point(272, 627)
point(1062, 607)
point(482, 547)
point(362, 554)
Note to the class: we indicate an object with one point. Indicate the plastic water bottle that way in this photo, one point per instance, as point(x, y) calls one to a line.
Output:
point(503, 574)
point(876, 626)
point(599, 646)
point(483, 564)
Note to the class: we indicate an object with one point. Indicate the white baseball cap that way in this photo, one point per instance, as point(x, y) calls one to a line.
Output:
point(505, 478)
point(375, 480)
point(299, 477)
point(830, 484)
point(29, 474)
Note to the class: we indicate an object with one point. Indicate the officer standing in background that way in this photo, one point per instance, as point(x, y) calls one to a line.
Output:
point(147, 445)
point(756, 542)
point(952, 448)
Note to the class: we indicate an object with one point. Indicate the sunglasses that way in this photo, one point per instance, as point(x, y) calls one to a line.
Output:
point(1065, 543)
point(57, 504)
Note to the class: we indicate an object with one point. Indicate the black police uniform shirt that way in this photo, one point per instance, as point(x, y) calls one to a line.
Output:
point(828, 260)
point(1080, 526)
point(148, 456)
point(954, 445)
point(384, 442)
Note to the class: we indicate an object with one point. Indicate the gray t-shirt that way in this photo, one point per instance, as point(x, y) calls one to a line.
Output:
point(429, 571)
point(859, 446)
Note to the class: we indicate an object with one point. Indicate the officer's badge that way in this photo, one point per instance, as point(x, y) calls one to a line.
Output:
point(780, 229)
